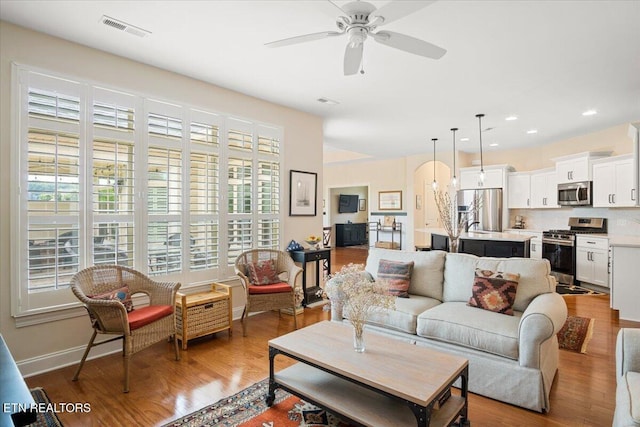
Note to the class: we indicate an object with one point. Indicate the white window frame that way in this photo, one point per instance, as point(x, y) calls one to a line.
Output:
point(32, 308)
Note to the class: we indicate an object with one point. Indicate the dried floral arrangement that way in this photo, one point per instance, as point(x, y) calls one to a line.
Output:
point(447, 211)
point(358, 294)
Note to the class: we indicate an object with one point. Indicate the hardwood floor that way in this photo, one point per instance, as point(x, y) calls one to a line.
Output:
point(212, 368)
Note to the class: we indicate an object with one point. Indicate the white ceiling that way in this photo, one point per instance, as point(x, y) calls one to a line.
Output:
point(544, 61)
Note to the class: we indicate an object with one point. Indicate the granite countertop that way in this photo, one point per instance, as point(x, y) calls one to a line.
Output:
point(490, 235)
point(629, 241)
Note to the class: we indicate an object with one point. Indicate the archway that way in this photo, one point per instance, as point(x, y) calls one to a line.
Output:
point(425, 215)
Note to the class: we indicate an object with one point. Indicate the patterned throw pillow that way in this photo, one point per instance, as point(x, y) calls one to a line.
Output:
point(397, 275)
point(494, 291)
point(263, 272)
point(121, 294)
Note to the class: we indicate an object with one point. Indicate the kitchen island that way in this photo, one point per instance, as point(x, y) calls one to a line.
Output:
point(486, 243)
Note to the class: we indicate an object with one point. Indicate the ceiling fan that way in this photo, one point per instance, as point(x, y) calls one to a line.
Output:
point(360, 22)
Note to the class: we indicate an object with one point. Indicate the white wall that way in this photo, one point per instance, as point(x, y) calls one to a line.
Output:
point(302, 150)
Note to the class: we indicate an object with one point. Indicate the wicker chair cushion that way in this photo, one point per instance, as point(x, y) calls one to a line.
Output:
point(263, 272)
point(274, 288)
point(122, 294)
point(145, 315)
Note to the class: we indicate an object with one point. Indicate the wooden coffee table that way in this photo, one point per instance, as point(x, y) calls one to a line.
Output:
point(392, 383)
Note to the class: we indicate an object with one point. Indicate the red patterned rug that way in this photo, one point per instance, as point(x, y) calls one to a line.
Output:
point(576, 334)
point(249, 409)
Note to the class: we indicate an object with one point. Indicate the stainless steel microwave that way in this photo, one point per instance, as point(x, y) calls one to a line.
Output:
point(575, 194)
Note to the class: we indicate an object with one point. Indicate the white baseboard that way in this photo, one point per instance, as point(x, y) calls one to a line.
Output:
point(60, 359)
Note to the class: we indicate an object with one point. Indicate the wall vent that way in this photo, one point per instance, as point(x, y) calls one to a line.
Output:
point(123, 26)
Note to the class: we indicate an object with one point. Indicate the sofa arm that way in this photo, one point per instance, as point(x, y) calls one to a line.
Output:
point(543, 319)
point(628, 351)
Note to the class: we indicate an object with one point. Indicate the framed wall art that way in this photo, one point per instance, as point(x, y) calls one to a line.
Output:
point(303, 188)
point(390, 200)
point(362, 204)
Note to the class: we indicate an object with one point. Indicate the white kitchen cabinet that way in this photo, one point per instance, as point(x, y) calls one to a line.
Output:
point(625, 287)
point(613, 183)
point(576, 167)
point(518, 190)
point(544, 189)
point(592, 260)
point(470, 178)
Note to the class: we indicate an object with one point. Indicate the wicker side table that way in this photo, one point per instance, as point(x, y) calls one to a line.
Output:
point(203, 313)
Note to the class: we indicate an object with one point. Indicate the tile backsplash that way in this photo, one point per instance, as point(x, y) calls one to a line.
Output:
point(620, 222)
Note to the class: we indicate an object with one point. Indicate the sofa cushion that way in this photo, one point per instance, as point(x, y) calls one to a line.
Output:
point(404, 317)
point(633, 385)
point(494, 291)
point(427, 276)
point(460, 268)
point(457, 323)
point(396, 275)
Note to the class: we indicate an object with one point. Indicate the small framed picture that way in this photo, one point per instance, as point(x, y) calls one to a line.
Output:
point(362, 204)
point(418, 201)
point(390, 200)
point(303, 187)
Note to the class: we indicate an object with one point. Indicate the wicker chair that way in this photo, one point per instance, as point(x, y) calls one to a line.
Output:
point(139, 328)
point(268, 297)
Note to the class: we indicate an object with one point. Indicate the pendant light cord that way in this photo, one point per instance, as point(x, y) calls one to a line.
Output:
point(434, 183)
point(454, 154)
point(480, 116)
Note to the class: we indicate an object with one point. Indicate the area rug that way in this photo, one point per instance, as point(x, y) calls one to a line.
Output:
point(47, 418)
point(575, 290)
point(576, 334)
point(248, 408)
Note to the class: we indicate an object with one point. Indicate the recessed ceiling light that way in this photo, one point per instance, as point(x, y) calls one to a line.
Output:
point(590, 113)
point(511, 118)
point(328, 101)
point(493, 144)
point(532, 131)
point(464, 139)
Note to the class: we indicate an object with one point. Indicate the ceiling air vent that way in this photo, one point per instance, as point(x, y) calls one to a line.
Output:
point(123, 26)
point(327, 101)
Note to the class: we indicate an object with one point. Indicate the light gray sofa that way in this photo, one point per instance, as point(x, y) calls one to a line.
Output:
point(627, 413)
point(511, 358)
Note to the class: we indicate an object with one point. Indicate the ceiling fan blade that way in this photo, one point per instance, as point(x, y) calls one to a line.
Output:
point(409, 44)
point(352, 59)
point(304, 38)
point(341, 10)
point(399, 9)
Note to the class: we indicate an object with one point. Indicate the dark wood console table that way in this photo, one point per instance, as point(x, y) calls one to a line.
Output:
point(312, 255)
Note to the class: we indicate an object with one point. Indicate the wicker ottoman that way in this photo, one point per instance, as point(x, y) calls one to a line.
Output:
point(203, 313)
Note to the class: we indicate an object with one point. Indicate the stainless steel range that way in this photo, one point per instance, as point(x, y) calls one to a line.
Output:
point(559, 246)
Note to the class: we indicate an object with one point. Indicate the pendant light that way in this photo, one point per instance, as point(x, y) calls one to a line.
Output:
point(454, 180)
point(480, 116)
point(434, 184)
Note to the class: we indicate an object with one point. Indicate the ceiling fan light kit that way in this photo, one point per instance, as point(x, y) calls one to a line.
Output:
point(361, 20)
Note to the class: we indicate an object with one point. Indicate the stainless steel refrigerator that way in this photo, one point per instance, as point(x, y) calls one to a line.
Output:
point(481, 209)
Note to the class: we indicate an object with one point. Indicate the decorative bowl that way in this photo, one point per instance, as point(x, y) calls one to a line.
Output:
point(314, 243)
